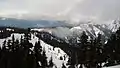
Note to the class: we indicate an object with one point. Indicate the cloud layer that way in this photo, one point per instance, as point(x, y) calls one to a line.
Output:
point(71, 10)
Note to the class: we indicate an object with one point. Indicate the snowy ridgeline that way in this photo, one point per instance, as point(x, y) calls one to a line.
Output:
point(90, 29)
point(55, 53)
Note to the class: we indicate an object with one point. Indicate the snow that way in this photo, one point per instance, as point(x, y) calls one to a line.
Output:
point(35, 29)
point(8, 29)
point(89, 28)
point(56, 53)
point(42, 29)
point(77, 28)
point(97, 31)
point(114, 25)
point(76, 31)
point(50, 52)
point(16, 35)
point(117, 66)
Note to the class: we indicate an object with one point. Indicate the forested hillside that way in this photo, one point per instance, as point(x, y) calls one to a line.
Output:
point(23, 48)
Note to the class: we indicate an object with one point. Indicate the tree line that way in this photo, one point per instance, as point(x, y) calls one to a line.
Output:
point(93, 53)
point(20, 53)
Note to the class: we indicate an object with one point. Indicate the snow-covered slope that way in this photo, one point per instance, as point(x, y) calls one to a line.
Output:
point(16, 35)
point(50, 52)
point(90, 28)
point(114, 25)
point(117, 66)
point(94, 29)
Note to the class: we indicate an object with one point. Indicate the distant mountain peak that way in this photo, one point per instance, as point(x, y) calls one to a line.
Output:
point(22, 23)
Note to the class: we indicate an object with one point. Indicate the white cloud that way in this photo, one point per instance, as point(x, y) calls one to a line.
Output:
point(75, 10)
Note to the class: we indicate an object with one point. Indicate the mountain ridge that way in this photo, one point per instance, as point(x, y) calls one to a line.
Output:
point(91, 30)
point(62, 28)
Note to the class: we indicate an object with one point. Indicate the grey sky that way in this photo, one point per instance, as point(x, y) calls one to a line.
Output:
point(73, 10)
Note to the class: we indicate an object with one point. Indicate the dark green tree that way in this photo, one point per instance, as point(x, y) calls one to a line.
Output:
point(63, 66)
point(13, 39)
point(84, 38)
point(99, 50)
point(4, 44)
point(83, 46)
point(51, 64)
point(44, 60)
point(9, 45)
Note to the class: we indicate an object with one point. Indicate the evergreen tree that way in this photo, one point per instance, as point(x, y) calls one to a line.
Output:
point(112, 48)
point(38, 50)
point(83, 46)
point(21, 39)
point(44, 60)
point(17, 44)
point(84, 38)
point(63, 66)
point(4, 44)
point(99, 55)
point(81, 66)
point(9, 44)
point(27, 35)
point(51, 64)
point(13, 39)
point(38, 47)
point(13, 43)
point(99, 38)
point(116, 43)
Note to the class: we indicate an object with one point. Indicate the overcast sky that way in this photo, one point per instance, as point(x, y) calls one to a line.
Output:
point(73, 10)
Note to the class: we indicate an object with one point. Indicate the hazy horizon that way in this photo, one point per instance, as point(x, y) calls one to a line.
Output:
point(73, 11)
